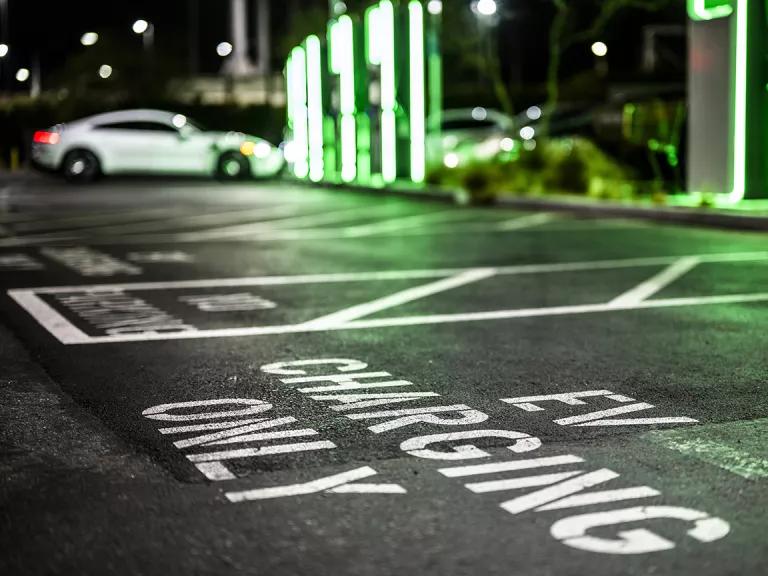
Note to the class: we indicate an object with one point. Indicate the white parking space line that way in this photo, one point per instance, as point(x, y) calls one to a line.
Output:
point(528, 221)
point(322, 218)
point(383, 275)
point(404, 223)
point(402, 297)
point(75, 221)
point(657, 282)
point(350, 318)
point(206, 219)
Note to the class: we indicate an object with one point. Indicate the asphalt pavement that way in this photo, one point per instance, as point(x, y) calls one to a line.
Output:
point(280, 379)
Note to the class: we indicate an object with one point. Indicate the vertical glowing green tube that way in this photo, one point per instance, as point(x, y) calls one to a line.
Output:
point(314, 109)
point(740, 103)
point(417, 102)
point(388, 99)
point(298, 97)
point(345, 49)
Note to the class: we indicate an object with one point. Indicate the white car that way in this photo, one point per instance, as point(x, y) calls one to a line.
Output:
point(150, 142)
point(464, 135)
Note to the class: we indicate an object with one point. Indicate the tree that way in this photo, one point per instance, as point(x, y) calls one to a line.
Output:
point(566, 32)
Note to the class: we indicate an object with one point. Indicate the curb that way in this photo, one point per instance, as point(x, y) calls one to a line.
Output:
point(689, 216)
point(695, 217)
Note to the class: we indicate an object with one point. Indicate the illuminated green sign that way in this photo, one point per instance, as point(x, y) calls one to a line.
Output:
point(710, 9)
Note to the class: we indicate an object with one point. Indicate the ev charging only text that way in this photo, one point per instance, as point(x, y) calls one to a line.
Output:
point(532, 483)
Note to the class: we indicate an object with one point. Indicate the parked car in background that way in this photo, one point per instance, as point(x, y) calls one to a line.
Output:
point(462, 135)
point(150, 142)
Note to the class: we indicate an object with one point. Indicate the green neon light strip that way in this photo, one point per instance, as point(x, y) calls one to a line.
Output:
point(740, 104)
point(417, 114)
point(698, 9)
point(388, 100)
point(289, 90)
point(299, 106)
point(345, 49)
point(314, 109)
point(373, 35)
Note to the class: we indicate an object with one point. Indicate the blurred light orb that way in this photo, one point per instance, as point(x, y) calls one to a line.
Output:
point(529, 145)
point(435, 7)
point(339, 8)
point(89, 39)
point(179, 120)
point(479, 113)
point(262, 150)
point(507, 144)
point(224, 49)
point(451, 160)
point(599, 49)
point(289, 151)
point(485, 7)
point(3, 50)
point(140, 26)
point(22, 75)
point(105, 71)
point(534, 112)
point(527, 132)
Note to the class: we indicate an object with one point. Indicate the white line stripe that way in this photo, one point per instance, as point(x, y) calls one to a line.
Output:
point(312, 487)
point(656, 283)
point(565, 488)
point(215, 471)
point(64, 222)
point(186, 221)
point(413, 320)
point(461, 471)
point(402, 297)
point(516, 483)
point(282, 224)
point(402, 223)
point(526, 221)
point(50, 319)
point(636, 407)
point(375, 276)
point(601, 497)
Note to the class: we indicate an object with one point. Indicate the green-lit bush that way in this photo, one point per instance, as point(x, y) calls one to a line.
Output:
point(555, 166)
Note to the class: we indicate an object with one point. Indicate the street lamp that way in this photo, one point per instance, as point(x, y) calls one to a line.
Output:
point(3, 50)
point(485, 7)
point(435, 7)
point(599, 49)
point(147, 32)
point(224, 49)
point(140, 26)
point(89, 39)
point(22, 74)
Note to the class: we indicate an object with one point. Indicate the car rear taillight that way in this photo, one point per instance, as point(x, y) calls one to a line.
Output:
point(44, 137)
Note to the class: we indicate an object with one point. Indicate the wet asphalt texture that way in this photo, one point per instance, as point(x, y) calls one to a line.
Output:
point(91, 486)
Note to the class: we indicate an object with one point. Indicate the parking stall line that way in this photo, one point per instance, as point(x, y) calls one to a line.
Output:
point(402, 297)
point(658, 282)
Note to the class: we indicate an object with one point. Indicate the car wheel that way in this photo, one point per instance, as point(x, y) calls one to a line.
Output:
point(233, 166)
point(80, 166)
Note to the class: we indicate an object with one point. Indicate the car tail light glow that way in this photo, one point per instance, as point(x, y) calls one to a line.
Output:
point(44, 137)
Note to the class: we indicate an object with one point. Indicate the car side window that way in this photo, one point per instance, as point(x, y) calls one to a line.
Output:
point(143, 126)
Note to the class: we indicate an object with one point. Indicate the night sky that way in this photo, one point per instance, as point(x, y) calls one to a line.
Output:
point(52, 29)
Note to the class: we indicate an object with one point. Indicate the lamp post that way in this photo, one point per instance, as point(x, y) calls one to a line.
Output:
point(147, 32)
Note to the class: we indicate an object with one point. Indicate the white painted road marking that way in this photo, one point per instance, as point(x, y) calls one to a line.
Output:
point(409, 295)
point(57, 324)
point(338, 483)
point(656, 283)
